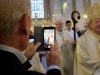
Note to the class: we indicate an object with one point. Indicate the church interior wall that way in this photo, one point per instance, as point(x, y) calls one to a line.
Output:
point(65, 8)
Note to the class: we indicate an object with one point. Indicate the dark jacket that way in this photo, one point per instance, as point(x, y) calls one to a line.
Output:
point(10, 65)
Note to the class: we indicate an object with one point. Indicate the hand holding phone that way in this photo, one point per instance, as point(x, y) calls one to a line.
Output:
point(45, 35)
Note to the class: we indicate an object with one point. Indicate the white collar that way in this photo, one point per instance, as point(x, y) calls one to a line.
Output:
point(60, 33)
point(69, 30)
point(19, 54)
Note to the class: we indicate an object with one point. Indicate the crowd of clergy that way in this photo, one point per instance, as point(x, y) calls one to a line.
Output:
point(82, 59)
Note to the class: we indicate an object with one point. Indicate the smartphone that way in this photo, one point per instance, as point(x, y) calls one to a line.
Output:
point(31, 38)
point(38, 37)
point(49, 37)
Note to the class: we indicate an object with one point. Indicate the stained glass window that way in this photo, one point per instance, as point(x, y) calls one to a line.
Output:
point(37, 6)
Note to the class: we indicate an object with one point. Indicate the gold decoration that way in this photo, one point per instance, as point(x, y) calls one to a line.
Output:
point(57, 17)
point(93, 12)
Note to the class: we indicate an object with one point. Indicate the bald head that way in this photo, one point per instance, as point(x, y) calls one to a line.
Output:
point(11, 13)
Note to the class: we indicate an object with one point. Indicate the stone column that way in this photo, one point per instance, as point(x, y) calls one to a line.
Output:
point(47, 9)
point(69, 9)
point(74, 4)
point(80, 8)
point(57, 6)
point(51, 8)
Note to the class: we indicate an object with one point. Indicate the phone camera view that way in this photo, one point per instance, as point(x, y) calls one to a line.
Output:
point(48, 37)
point(31, 40)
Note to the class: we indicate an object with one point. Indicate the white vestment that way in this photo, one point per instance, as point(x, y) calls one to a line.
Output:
point(36, 64)
point(71, 32)
point(87, 55)
point(66, 53)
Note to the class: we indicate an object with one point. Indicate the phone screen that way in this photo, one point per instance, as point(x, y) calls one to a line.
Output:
point(31, 40)
point(49, 37)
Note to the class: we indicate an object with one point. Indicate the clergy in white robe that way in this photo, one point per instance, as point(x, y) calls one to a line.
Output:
point(65, 42)
point(87, 55)
point(69, 29)
point(71, 32)
point(36, 64)
point(66, 52)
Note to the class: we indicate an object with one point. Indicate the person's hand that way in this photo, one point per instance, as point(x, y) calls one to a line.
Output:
point(53, 57)
point(31, 49)
point(65, 42)
point(75, 41)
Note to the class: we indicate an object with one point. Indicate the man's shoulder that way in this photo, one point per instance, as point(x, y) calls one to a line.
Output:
point(84, 38)
point(5, 54)
point(9, 60)
point(86, 35)
point(12, 66)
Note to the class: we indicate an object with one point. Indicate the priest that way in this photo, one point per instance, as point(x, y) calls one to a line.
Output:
point(65, 42)
point(87, 55)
